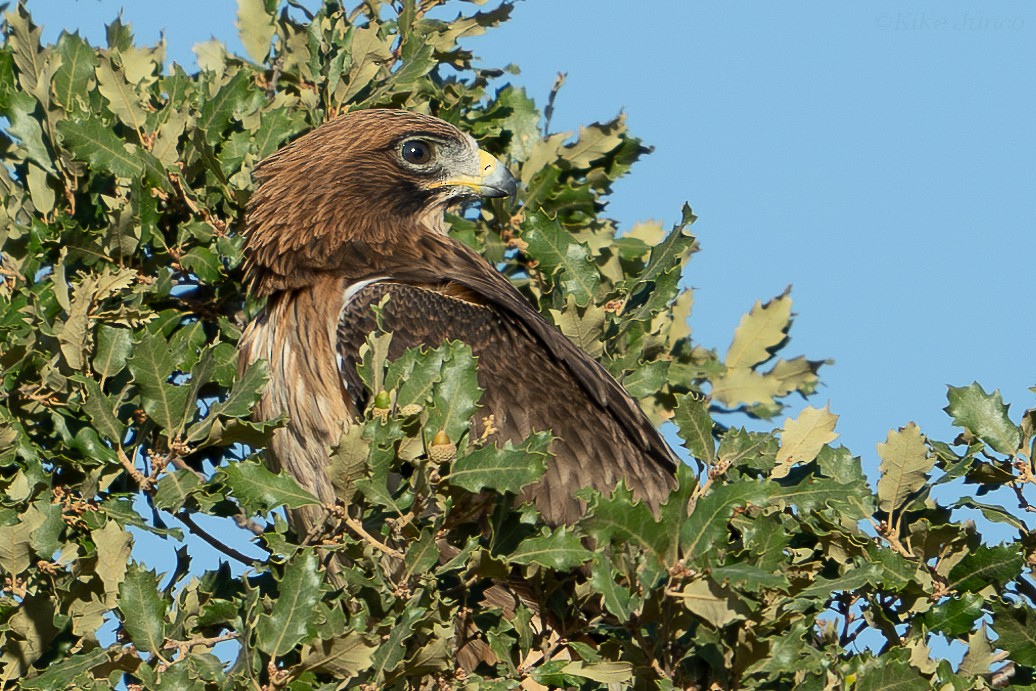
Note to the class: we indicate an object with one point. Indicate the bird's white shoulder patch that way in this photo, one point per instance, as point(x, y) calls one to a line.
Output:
point(350, 293)
point(352, 290)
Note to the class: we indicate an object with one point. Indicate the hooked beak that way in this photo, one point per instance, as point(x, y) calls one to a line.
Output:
point(492, 180)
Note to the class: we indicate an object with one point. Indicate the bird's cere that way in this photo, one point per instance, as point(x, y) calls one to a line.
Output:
point(493, 179)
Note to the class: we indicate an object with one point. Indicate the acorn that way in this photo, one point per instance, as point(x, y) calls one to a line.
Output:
point(441, 449)
point(382, 405)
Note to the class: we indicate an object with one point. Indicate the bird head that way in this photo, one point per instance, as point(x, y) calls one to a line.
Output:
point(357, 186)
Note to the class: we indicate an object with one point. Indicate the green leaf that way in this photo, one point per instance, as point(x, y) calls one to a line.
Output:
point(112, 349)
point(715, 605)
point(1016, 626)
point(392, 650)
point(24, 37)
point(663, 268)
point(905, 463)
point(46, 536)
point(276, 126)
point(60, 675)
point(852, 501)
point(71, 80)
point(152, 364)
point(760, 331)
point(94, 142)
point(585, 329)
point(123, 99)
point(258, 490)
point(986, 566)
point(218, 110)
point(696, 425)
point(422, 554)
point(293, 618)
point(618, 519)
point(246, 391)
point(984, 416)
point(646, 380)
point(203, 263)
point(594, 142)
point(369, 52)
point(744, 387)
point(114, 546)
point(142, 609)
point(522, 122)
point(956, 616)
point(345, 656)
point(616, 598)
point(748, 578)
point(741, 447)
point(506, 469)
point(797, 374)
point(823, 589)
point(42, 193)
point(348, 461)
point(101, 410)
point(980, 655)
point(15, 548)
point(415, 374)
point(558, 550)
point(20, 109)
point(456, 395)
point(992, 512)
point(174, 488)
point(255, 25)
point(708, 523)
point(892, 675)
point(803, 437)
point(558, 253)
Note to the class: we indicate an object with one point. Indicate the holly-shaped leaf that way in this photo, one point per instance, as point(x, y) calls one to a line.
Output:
point(143, 607)
point(984, 416)
point(803, 437)
point(905, 463)
point(293, 618)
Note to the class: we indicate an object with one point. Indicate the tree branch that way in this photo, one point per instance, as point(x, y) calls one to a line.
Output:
point(200, 532)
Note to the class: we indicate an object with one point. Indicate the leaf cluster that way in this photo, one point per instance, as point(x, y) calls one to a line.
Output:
point(774, 562)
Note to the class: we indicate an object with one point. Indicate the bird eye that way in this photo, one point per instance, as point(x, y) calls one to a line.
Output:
point(417, 152)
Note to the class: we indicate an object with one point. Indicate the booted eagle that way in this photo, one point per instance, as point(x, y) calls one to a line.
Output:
point(352, 212)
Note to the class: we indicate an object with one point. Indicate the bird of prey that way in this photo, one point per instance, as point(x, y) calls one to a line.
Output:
point(352, 212)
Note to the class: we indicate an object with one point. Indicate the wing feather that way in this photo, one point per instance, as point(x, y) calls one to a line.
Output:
point(527, 388)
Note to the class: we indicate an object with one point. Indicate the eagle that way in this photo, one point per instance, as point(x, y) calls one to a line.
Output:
point(352, 213)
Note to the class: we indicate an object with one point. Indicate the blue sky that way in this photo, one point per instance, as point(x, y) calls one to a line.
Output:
point(880, 157)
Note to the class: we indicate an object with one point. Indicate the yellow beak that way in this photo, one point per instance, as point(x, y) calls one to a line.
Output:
point(493, 179)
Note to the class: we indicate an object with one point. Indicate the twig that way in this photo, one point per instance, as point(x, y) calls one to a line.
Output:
point(426, 6)
point(142, 481)
point(357, 528)
point(182, 465)
point(197, 530)
point(847, 600)
point(885, 531)
point(249, 524)
point(182, 646)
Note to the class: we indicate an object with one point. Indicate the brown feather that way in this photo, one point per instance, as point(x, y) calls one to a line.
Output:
point(526, 389)
point(334, 209)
